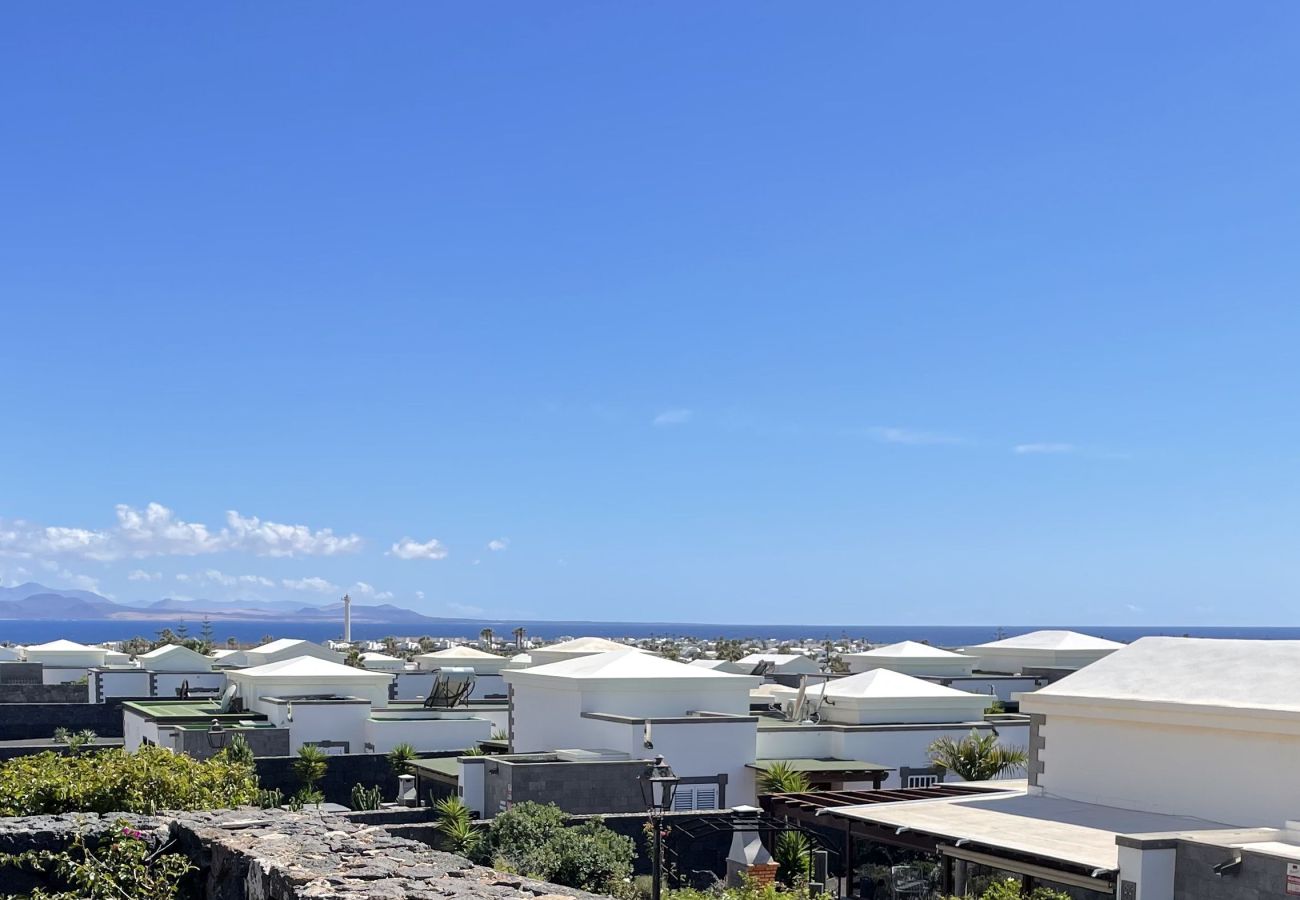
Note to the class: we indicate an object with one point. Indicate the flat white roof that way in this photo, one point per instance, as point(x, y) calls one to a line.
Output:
point(1053, 640)
point(309, 668)
point(1192, 672)
point(910, 650)
point(379, 657)
point(1047, 827)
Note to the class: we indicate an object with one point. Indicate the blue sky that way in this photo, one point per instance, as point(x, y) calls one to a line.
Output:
point(700, 312)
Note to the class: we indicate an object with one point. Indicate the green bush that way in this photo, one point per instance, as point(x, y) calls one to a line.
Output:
point(113, 780)
point(399, 758)
point(310, 767)
point(116, 864)
point(532, 839)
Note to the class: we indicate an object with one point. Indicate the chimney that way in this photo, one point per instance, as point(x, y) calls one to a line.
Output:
point(347, 619)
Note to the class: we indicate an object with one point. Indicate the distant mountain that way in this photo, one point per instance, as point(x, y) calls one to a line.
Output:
point(35, 601)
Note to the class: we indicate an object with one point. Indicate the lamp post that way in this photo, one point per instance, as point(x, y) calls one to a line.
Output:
point(658, 785)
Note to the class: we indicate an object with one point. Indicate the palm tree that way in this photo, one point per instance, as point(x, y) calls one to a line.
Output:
point(977, 757)
point(310, 766)
point(782, 778)
point(486, 637)
point(519, 637)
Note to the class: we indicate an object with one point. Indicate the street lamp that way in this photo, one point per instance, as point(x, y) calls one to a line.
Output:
point(658, 785)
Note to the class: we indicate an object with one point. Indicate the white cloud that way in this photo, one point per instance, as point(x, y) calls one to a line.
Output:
point(273, 539)
point(156, 531)
point(313, 583)
point(362, 589)
point(894, 435)
point(1024, 449)
point(142, 575)
point(419, 595)
point(499, 544)
point(410, 548)
point(213, 576)
point(674, 417)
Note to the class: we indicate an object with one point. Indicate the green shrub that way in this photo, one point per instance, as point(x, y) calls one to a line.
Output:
point(112, 780)
point(116, 864)
point(782, 778)
point(238, 751)
point(310, 766)
point(793, 855)
point(399, 758)
point(532, 839)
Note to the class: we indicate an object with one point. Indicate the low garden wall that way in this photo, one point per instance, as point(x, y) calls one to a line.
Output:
point(251, 854)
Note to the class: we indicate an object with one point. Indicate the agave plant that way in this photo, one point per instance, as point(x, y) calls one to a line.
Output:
point(977, 757)
point(781, 777)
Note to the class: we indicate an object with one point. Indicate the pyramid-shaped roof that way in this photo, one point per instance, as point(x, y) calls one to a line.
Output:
point(175, 651)
point(1054, 640)
point(461, 651)
point(280, 644)
point(910, 650)
point(884, 684)
point(309, 667)
point(587, 645)
point(1230, 675)
point(627, 664)
point(62, 644)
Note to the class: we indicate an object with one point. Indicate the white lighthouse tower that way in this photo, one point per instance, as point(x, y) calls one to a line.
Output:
point(347, 619)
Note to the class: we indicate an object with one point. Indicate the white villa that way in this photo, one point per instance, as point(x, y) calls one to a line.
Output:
point(382, 662)
point(282, 649)
point(882, 718)
point(482, 662)
point(174, 658)
point(65, 661)
point(583, 646)
point(307, 700)
point(639, 705)
point(1041, 649)
point(912, 658)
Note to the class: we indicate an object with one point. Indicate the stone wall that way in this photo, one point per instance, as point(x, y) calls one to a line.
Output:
point(28, 748)
point(44, 693)
point(262, 741)
point(578, 788)
point(341, 774)
point(1260, 877)
point(21, 673)
point(251, 854)
point(28, 721)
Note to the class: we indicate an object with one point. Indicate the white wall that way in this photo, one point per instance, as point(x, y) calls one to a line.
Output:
point(706, 747)
point(120, 683)
point(315, 722)
point(63, 675)
point(918, 668)
point(167, 683)
point(549, 720)
point(891, 748)
point(1002, 688)
point(67, 659)
point(252, 689)
point(1219, 774)
point(427, 735)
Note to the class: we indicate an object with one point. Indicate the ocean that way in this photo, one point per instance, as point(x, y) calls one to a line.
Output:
point(27, 631)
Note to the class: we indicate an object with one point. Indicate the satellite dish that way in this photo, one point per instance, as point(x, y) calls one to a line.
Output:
point(228, 697)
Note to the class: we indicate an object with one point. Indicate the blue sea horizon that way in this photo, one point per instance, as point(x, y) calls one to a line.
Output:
point(34, 631)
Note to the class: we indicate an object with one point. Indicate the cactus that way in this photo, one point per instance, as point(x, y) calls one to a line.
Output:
point(365, 798)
